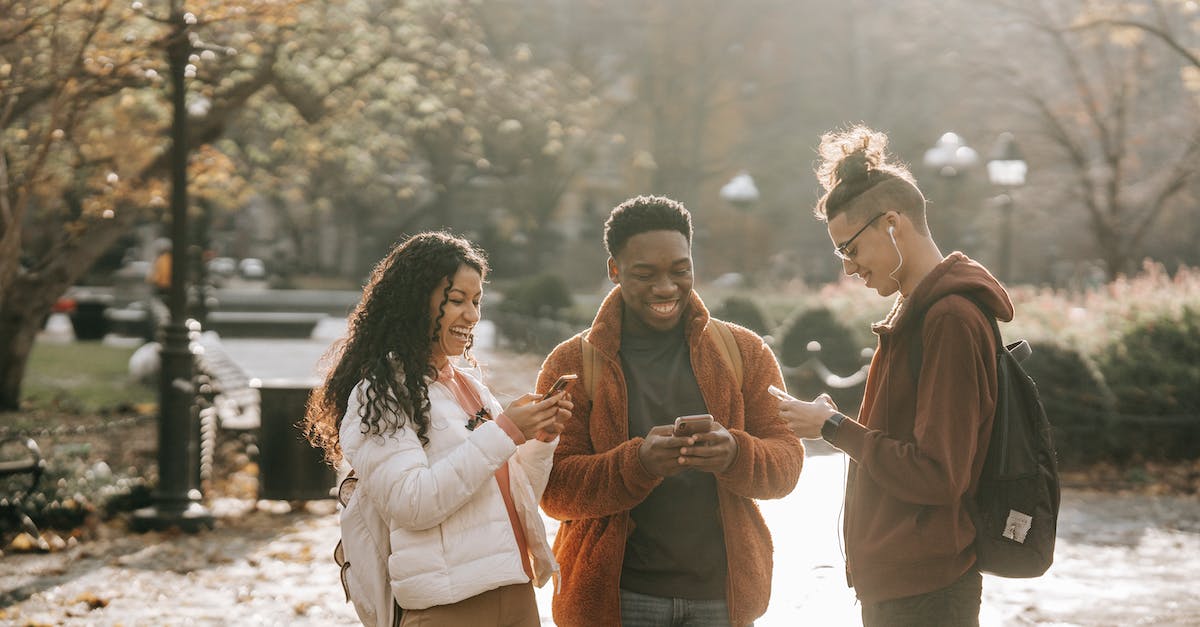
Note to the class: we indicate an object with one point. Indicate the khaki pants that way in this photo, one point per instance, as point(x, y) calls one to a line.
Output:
point(509, 606)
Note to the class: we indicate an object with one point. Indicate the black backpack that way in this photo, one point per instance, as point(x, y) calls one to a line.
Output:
point(1015, 509)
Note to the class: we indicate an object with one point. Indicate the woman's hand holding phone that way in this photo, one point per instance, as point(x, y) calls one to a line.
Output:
point(533, 413)
point(558, 390)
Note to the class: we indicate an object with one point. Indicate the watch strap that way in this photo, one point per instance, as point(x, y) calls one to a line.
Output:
point(830, 427)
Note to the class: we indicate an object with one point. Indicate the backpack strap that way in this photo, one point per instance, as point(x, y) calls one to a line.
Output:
point(717, 330)
point(589, 360)
point(727, 347)
point(916, 345)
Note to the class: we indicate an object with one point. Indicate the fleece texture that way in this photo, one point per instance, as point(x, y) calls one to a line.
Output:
point(597, 477)
point(919, 443)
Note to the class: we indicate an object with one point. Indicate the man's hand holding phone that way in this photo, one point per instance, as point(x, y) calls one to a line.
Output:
point(805, 418)
point(711, 447)
point(691, 442)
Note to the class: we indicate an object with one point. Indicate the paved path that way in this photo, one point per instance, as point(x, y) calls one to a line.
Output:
point(1121, 560)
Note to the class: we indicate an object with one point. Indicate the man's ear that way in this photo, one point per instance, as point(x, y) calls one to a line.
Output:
point(612, 271)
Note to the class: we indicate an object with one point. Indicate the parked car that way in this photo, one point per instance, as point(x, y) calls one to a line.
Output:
point(222, 267)
point(251, 268)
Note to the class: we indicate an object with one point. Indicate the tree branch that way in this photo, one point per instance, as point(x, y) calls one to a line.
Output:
point(1158, 33)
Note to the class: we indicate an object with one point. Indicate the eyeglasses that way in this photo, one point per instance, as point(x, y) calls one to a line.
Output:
point(840, 251)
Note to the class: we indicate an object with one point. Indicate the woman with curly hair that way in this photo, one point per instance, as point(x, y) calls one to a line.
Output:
point(453, 479)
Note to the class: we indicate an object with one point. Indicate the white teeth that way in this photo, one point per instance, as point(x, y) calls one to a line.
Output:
point(461, 332)
point(663, 308)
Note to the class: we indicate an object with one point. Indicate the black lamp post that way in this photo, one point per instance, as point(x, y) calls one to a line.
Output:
point(1006, 169)
point(950, 157)
point(177, 495)
point(742, 193)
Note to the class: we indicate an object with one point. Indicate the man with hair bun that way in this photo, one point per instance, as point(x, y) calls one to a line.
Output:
point(918, 444)
point(660, 527)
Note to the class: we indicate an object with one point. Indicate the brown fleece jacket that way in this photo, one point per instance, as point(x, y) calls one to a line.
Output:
point(597, 477)
point(918, 450)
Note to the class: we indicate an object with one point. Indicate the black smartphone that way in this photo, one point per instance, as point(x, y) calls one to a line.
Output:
point(559, 385)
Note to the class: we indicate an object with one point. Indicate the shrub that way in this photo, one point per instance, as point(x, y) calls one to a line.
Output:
point(1154, 371)
point(1079, 404)
point(745, 311)
point(544, 296)
point(534, 314)
point(75, 488)
point(840, 351)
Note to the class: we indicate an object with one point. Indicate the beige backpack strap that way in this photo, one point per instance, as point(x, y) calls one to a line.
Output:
point(727, 346)
point(589, 359)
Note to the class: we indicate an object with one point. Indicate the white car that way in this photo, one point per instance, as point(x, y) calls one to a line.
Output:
point(251, 268)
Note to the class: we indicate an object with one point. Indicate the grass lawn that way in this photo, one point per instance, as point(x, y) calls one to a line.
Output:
point(84, 377)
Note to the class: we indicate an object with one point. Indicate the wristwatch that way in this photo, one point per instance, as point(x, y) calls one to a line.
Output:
point(829, 429)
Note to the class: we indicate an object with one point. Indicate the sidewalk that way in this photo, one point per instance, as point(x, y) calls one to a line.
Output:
point(1121, 559)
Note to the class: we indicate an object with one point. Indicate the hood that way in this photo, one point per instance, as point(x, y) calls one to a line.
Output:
point(956, 274)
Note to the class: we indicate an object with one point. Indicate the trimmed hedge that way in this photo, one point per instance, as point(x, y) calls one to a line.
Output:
point(544, 295)
point(744, 311)
point(534, 315)
point(840, 351)
point(1154, 372)
point(1078, 403)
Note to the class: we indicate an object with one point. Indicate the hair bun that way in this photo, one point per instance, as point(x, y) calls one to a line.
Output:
point(850, 156)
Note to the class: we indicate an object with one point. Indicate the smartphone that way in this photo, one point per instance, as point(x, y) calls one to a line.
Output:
point(559, 384)
point(691, 425)
point(780, 394)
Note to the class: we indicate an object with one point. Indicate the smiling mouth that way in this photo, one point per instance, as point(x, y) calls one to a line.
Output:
point(462, 334)
point(664, 309)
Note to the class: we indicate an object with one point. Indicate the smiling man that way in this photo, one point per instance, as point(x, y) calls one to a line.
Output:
point(925, 423)
point(659, 529)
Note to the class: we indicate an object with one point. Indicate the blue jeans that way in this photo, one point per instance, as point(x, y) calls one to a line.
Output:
point(643, 610)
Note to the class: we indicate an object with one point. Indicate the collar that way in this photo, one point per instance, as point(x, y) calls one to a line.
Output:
point(605, 332)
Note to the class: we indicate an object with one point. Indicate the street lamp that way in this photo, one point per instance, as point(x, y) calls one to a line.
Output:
point(1006, 169)
point(950, 157)
point(177, 495)
point(740, 191)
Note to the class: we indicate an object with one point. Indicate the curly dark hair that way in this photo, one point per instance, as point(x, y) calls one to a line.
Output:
point(641, 214)
point(388, 344)
point(854, 162)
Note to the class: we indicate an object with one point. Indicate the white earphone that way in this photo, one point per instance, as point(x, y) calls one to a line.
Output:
point(892, 274)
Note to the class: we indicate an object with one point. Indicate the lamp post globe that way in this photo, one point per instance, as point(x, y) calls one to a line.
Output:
point(740, 191)
point(950, 156)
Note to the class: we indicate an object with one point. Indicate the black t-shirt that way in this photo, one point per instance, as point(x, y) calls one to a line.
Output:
point(677, 548)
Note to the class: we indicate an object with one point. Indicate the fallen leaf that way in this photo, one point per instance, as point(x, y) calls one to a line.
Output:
point(92, 601)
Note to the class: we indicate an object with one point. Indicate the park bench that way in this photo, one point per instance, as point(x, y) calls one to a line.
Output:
point(26, 466)
point(265, 324)
point(262, 416)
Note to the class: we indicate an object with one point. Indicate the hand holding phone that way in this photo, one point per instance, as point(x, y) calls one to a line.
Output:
point(691, 425)
point(780, 394)
point(560, 384)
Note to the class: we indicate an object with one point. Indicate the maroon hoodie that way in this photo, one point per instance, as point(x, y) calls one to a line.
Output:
point(919, 447)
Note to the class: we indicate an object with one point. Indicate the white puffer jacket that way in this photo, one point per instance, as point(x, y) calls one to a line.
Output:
point(450, 534)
